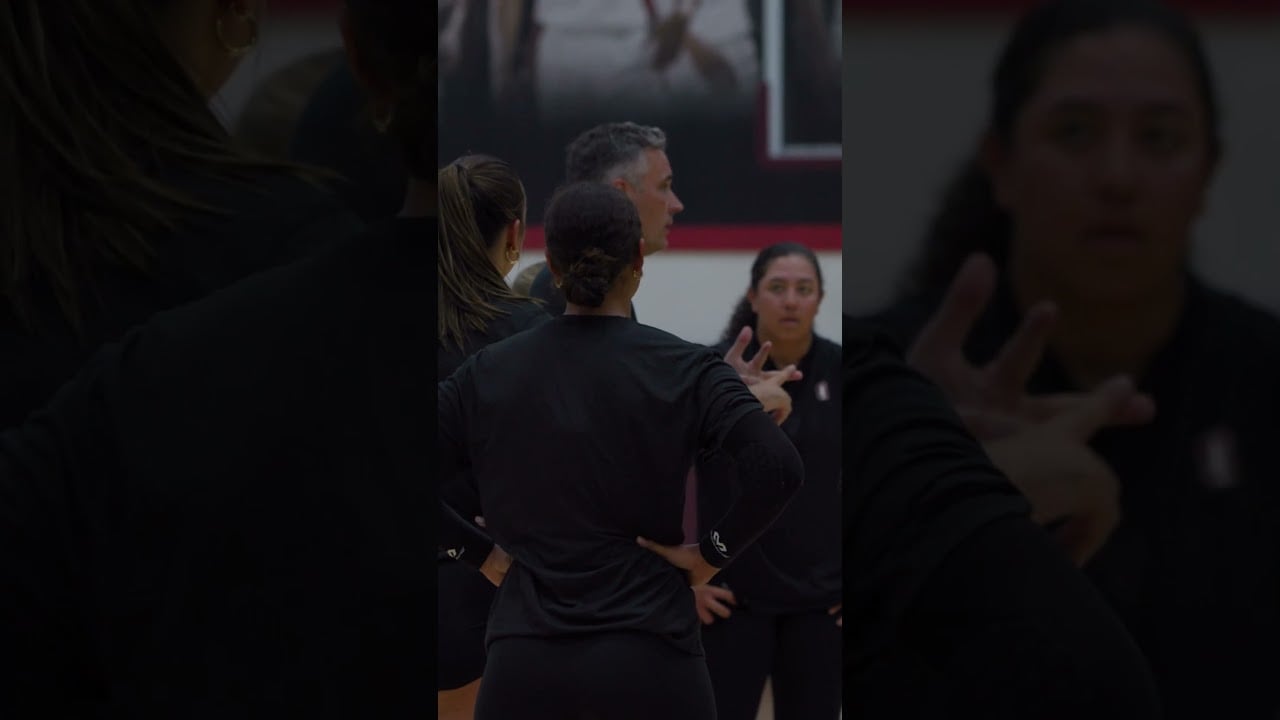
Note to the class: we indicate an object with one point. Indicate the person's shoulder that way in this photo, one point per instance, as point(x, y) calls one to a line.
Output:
point(696, 357)
point(827, 346)
point(525, 313)
point(541, 284)
point(334, 280)
point(722, 345)
point(662, 338)
point(863, 339)
point(902, 319)
point(267, 217)
point(277, 189)
point(290, 199)
point(1232, 316)
point(273, 340)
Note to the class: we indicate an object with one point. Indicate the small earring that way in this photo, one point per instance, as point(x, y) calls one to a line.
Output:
point(515, 259)
point(635, 274)
point(238, 51)
point(557, 283)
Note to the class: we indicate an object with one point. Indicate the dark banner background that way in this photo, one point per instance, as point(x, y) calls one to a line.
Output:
point(722, 172)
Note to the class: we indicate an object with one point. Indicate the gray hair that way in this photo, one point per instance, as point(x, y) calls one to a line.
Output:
point(612, 150)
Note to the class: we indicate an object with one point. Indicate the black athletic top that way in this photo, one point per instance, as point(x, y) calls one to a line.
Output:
point(795, 566)
point(1194, 567)
point(223, 515)
point(957, 605)
point(544, 288)
point(274, 219)
point(517, 316)
point(579, 434)
point(915, 485)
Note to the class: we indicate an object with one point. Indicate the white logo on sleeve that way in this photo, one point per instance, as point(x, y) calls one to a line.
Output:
point(822, 392)
point(455, 554)
point(715, 540)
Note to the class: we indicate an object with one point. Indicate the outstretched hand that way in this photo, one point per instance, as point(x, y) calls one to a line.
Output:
point(992, 400)
point(752, 371)
point(776, 401)
point(1069, 486)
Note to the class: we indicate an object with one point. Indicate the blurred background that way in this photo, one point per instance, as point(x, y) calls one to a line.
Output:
point(915, 97)
point(746, 90)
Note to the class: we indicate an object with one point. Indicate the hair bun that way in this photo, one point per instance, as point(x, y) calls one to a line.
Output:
point(589, 278)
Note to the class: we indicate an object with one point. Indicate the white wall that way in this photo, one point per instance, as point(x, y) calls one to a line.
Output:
point(915, 98)
point(692, 294)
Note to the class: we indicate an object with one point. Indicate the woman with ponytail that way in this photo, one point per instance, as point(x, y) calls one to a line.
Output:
point(482, 213)
point(121, 193)
point(229, 512)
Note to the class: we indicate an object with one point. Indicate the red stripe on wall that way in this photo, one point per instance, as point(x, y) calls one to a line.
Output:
point(732, 238)
point(1207, 7)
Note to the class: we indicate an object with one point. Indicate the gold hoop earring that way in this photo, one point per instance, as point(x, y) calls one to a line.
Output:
point(238, 51)
point(515, 259)
point(557, 284)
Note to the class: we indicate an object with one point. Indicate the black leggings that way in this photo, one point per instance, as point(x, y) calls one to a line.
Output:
point(605, 676)
point(463, 599)
point(800, 651)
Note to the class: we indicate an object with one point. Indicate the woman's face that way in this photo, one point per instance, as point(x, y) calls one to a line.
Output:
point(1107, 167)
point(786, 299)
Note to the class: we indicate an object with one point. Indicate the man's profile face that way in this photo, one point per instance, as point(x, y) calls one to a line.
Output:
point(654, 198)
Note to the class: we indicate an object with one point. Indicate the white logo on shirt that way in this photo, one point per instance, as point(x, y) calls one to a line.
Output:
point(455, 554)
point(715, 540)
point(821, 389)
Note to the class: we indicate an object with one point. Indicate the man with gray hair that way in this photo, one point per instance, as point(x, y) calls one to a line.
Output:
point(632, 158)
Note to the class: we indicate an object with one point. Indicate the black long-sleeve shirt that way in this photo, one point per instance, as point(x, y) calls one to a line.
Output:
point(269, 219)
point(796, 564)
point(516, 316)
point(227, 514)
point(957, 605)
point(579, 434)
point(1193, 569)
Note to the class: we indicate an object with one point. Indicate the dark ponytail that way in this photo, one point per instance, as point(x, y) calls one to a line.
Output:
point(479, 196)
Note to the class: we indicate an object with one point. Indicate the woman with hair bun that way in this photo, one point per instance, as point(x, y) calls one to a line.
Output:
point(578, 460)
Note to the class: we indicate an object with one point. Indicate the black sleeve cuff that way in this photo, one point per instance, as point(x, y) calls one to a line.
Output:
point(461, 540)
point(714, 550)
